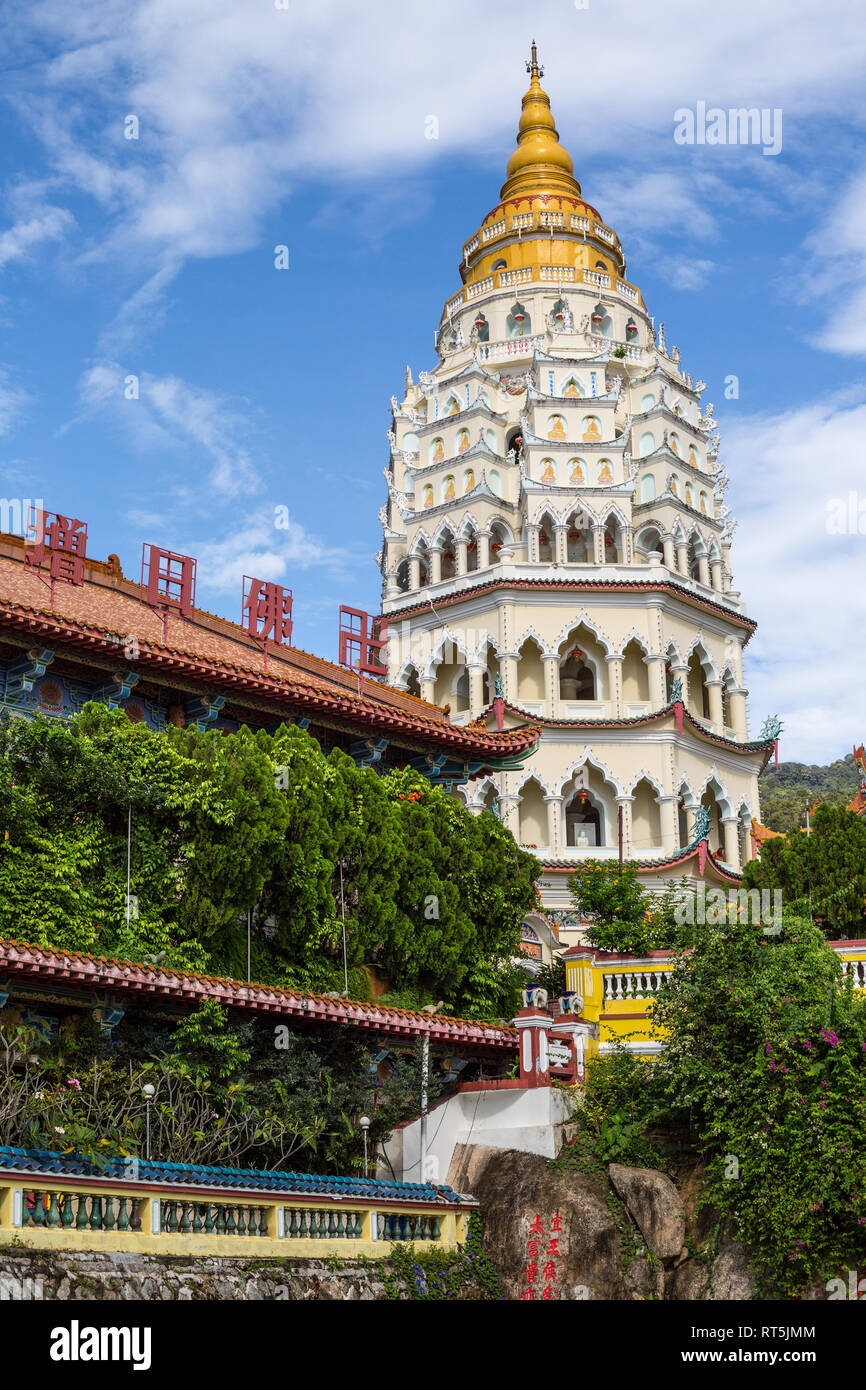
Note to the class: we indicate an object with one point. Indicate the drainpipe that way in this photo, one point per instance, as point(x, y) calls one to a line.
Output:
point(425, 1071)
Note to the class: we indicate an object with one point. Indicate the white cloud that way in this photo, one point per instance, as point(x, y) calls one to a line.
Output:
point(803, 584)
point(255, 545)
point(170, 414)
point(13, 399)
point(688, 274)
point(21, 240)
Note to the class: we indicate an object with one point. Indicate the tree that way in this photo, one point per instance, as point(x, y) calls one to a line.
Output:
point(620, 915)
point(823, 873)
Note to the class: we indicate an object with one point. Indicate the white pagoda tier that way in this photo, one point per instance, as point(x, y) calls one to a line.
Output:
point(555, 535)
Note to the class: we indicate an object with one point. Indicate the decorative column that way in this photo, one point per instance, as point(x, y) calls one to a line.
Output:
point(726, 558)
point(483, 539)
point(658, 691)
point(669, 552)
point(716, 576)
point(682, 557)
point(462, 545)
point(508, 671)
point(476, 688)
point(714, 689)
point(508, 804)
point(427, 690)
point(414, 572)
point(551, 681)
point(628, 545)
point(669, 807)
point(532, 543)
point(598, 545)
point(532, 1024)
point(435, 564)
point(624, 802)
point(737, 709)
point(704, 569)
point(561, 544)
point(614, 682)
point(731, 836)
point(682, 671)
point(554, 820)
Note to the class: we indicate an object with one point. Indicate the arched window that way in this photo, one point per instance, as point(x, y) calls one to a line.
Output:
point(546, 540)
point(647, 443)
point(647, 403)
point(518, 324)
point(437, 450)
point(495, 482)
point(576, 472)
point(605, 472)
point(447, 487)
point(548, 471)
point(693, 456)
point(481, 328)
point(631, 331)
point(689, 496)
point(584, 820)
point(591, 427)
point(410, 442)
point(468, 480)
point(576, 678)
point(674, 442)
point(490, 440)
point(705, 504)
point(462, 441)
point(572, 387)
point(427, 495)
point(452, 405)
point(579, 541)
point(602, 323)
point(647, 487)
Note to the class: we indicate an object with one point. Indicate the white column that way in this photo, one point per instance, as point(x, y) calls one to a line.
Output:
point(682, 557)
point(476, 689)
point(427, 690)
point(716, 575)
point(598, 544)
point(483, 550)
point(683, 673)
point(669, 552)
point(730, 833)
point(614, 682)
point(656, 667)
point(551, 681)
point(461, 545)
point(625, 802)
point(714, 688)
point(668, 806)
point(561, 544)
point(435, 564)
point(726, 573)
point(414, 572)
point(508, 672)
point(628, 544)
point(737, 708)
point(508, 805)
point(532, 543)
point(704, 570)
point(554, 820)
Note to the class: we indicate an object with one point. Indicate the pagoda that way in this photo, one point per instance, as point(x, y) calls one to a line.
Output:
point(557, 551)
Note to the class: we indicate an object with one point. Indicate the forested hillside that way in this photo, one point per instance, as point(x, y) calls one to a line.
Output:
point(786, 791)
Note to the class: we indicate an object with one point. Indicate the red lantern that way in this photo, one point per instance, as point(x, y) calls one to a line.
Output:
point(560, 317)
point(542, 538)
point(631, 329)
point(596, 318)
point(518, 318)
point(480, 321)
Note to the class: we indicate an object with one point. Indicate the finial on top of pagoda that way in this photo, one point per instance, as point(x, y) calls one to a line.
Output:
point(532, 67)
point(539, 164)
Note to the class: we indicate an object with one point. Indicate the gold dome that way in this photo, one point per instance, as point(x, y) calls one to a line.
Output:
point(539, 163)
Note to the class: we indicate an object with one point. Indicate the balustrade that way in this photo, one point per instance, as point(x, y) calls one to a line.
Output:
point(53, 1210)
point(632, 984)
point(186, 1217)
point(407, 1226)
point(497, 229)
point(307, 1223)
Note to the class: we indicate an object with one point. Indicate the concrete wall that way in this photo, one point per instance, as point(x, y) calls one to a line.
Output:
point(502, 1119)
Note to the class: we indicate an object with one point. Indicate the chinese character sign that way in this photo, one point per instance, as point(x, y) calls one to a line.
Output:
point(362, 638)
point(542, 1253)
point(63, 539)
point(167, 579)
point(267, 610)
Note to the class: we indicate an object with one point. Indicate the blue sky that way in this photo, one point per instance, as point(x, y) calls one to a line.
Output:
point(305, 127)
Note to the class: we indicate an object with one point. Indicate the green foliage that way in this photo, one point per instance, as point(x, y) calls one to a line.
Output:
point(620, 915)
point(821, 875)
point(434, 1276)
point(765, 1067)
point(786, 791)
point(226, 825)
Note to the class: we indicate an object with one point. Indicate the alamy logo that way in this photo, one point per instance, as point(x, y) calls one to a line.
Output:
point(737, 126)
point(712, 907)
point(77, 1343)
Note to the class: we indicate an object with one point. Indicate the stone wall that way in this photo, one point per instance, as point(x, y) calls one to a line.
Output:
point(27, 1274)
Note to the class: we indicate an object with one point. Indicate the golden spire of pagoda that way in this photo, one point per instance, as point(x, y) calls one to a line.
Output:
point(539, 164)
